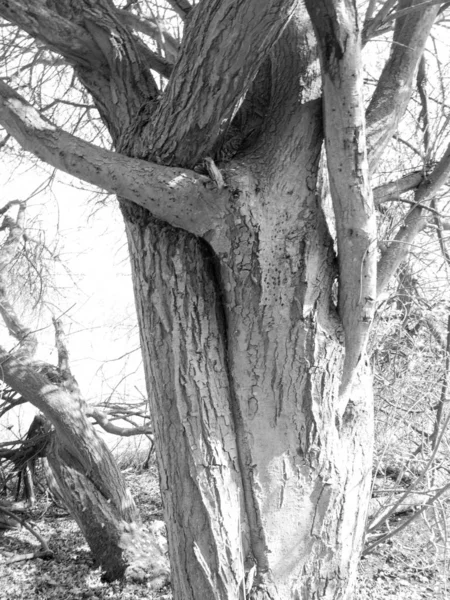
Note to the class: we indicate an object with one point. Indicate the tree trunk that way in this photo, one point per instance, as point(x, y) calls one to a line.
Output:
point(88, 479)
point(113, 531)
point(254, 332)
point(243, 360)
point(193, 422)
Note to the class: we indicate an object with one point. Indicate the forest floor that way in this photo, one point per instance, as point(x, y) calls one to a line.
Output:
point(402, 569)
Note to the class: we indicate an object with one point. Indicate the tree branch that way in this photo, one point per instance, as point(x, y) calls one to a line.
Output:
point(62, 410)
point(155, 61)
point(342, 75)
point(24, 335)
point(181, 7)
point(104, 421)
point(112, 63)
point(57, 33)
point(223, 49)
point(21, 522)
point(393, 189)
point(182, 198)
point(153, 28)
point(395, 84)
point(415, 221)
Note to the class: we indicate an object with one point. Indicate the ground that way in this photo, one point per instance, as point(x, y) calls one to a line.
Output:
point(403, 568)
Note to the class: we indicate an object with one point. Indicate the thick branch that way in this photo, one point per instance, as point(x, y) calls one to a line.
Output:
point(182, 198)
point(395, 85)
point(224, 46)
point(181, 7)
point(337, 32)
point(72, 427)
point(110, 61)
point(155, 61)
point(393, 189)
point(58, 34)
point(415, 221)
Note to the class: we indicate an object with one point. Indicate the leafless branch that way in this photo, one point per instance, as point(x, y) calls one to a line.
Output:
point(153, 28)
point(415, 221)
point(181, 7)
point(393, 189)
point(103, 419)
point(23, 523)
point(26, 338)
point(394, 87)
point(175, 195)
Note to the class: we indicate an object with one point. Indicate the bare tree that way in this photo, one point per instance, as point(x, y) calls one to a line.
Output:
point(260, 389)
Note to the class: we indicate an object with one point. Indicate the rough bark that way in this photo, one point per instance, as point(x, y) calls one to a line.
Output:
point(88, 478)
point(263, 432)
point(338, 33)
point(395, 85)
point(196, 202)
point(186, 369)
point(290, 456)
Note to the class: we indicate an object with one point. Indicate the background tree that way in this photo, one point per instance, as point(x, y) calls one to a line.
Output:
point(260, 388)
point(81, 467)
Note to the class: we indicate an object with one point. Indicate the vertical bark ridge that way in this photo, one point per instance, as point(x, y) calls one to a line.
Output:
point(186, 373)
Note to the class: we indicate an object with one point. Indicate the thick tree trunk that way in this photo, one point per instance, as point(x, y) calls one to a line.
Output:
point(259, 467)
point(263, 426)
point(183, 344)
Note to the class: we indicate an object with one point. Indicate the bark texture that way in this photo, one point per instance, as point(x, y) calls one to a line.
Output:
point(88, 479)
point(260, 390)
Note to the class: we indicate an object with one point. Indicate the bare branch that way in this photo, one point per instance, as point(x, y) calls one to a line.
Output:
point(153, 28)
point(4, 141)
point(102, 419)
point(182, 198)
point(109, 60)
point(393, 189)
point(415, 221)
point(406, 11)
point(21, 522)
point(155, 61)
point(374, 26)
point(64, 412)
point(424, 116)
point(26, 338)
point(58, 34)
point(181, 7)
point(348, 171)
point(395, 85)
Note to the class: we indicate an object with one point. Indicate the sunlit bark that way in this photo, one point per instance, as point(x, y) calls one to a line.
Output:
point(262, 410)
